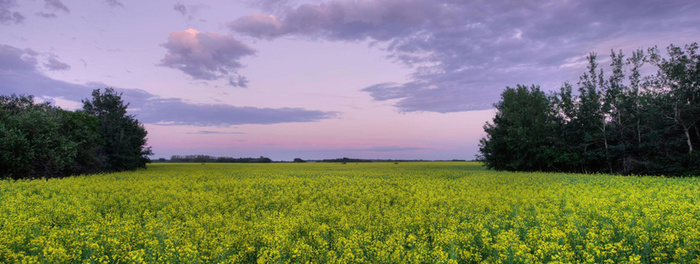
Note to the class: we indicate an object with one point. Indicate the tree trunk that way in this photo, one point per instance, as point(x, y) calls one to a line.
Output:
point(639, 133)
point(605, 140)
point(687, 136)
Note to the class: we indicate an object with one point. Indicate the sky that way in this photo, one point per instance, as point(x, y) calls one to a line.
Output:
point(285, 79)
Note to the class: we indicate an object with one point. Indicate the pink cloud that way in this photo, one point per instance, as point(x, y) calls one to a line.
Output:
point(206, 56)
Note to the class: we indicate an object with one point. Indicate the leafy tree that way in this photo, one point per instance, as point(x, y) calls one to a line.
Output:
point(625, 124)
point(680, 74)
point(569, 136)
point(124, 137)
point(593, 110)
point(81, 128)
point(520, 136)
point(43, 141)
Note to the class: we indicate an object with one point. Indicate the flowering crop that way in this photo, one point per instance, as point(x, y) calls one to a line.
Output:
point(433, 212)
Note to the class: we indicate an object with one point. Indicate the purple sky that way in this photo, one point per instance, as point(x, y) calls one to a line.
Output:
point(408, 79)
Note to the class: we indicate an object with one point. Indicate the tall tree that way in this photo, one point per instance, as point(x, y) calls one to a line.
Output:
point(570, 137)
point(44, 141)
point(625, 123)
point(680, 74)
point(593, 111)
point(124, 137)
point(520, 136)
point(629, 106)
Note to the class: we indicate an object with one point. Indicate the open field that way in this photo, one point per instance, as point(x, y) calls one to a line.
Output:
point(432, 212)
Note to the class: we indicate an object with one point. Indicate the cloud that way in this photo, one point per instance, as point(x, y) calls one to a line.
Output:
point(14, 60)
point(46, 15)
point(7, 16)
point(206, 56)
point(464, 53)
point(180, 8)
point(190, 10)
point(374, 149)
point(343, 20)
point(56, 5)
point(178, 112)
point(19, 73)
point(389, 149)
point(55, 65)
point(271, 5)
point(114, 3)
point(207, 132)
point(259, 26)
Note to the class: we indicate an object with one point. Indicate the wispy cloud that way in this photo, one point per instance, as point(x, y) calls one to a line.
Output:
point(206, 56)
point(56, 5)
point(182, 9)
point(390, 149)
point(7, 15)
point(114, 3)
point(372, 149)
point(54, 64)
point(46, 15)
point(189, 11)
point(19, 74)
point(208, 132)
point(465, 52)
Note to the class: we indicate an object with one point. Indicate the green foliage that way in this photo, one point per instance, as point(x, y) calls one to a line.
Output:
point(625, 124)
point(42, 141)
point(81, 128)
point(519, 136)
point(124, 137)
point(207, 158)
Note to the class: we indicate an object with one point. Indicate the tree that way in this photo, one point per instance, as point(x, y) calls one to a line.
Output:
point(520, 137)
point(43, 141)
point(593, 110)
point(124, 137)
point(680, 74)
point(568, 133)
point(81, 128)
point(625, 124)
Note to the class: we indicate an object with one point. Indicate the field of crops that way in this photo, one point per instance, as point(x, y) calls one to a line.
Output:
point(436, 212)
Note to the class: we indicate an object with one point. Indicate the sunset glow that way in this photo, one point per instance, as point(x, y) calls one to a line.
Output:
point(382, 79)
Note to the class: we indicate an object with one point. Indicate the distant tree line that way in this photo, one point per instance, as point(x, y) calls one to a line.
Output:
point(624, 123)
point(356, 160)
point(39, 140)
point(207, 158)
point(345, 160)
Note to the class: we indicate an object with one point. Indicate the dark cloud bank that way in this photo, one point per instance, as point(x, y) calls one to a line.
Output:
point(465, 52)
point(19, 74)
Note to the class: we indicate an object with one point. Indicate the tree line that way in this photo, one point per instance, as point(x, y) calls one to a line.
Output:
point(624, 123)
point(39, 140)
point(207, 158)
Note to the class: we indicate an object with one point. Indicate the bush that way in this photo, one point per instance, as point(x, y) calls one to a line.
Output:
point(43, 141)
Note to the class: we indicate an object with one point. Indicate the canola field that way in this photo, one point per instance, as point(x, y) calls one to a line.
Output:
point(431, 212)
